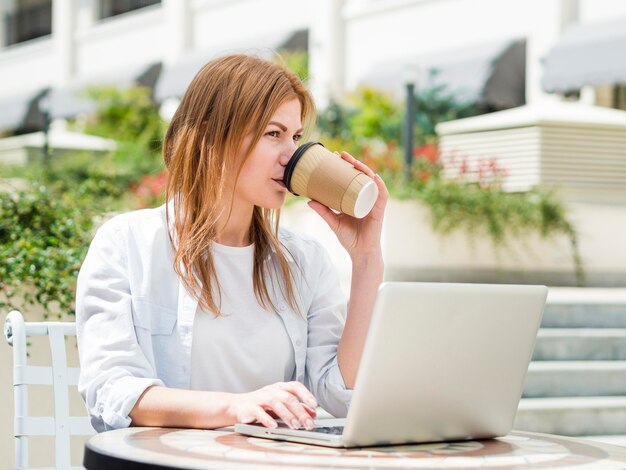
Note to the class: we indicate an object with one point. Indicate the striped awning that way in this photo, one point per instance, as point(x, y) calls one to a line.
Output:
point(69, 100)
point(492, 74)
point(587, 54)
point(21, 112)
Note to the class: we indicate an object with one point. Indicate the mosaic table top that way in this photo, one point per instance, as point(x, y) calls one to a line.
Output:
point(201, 449)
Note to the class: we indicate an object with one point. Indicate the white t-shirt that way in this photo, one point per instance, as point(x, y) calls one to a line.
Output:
point(246, 347)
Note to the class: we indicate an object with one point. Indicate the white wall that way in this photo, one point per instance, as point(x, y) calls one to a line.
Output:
point(140, 37)
point(128, 40)
point(593, 11)
point(327, 51)
point(27, 67)
point(217, 22)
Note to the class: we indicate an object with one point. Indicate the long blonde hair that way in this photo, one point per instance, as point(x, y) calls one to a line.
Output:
point(229, 98)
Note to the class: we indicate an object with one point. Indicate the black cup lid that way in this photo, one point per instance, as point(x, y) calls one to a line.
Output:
point(291, 165)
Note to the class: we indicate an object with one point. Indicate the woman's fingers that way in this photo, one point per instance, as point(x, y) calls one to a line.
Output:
point(299, 416)
point(383, 193)
point(311, 411)
point(301, 401)
point(357, 164)
point(300, 391)
point(289, 401)
point(264, 418)
point(285, 411)
point(382, 188)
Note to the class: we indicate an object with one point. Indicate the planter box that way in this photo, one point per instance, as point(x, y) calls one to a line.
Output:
point(414, 252)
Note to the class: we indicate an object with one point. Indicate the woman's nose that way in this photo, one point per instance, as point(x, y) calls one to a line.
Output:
point(284, 158)
point(286, 153)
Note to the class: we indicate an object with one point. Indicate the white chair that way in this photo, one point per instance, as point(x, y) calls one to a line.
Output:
point(59, 375)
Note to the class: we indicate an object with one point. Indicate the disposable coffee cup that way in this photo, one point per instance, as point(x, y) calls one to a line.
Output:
point(321, 175)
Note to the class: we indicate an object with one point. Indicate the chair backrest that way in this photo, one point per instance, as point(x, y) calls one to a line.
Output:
point(59, 375)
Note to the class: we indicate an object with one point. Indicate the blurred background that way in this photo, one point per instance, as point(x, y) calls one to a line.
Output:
point(499, 127)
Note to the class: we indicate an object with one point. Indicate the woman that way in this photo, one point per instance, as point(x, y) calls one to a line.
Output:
point(202, 313)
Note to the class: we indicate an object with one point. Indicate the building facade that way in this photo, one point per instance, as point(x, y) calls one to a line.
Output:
point(59, 46)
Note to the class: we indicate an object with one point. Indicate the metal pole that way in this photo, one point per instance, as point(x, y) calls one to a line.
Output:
point(46, 138)
point(409, 120)
point(46, 141)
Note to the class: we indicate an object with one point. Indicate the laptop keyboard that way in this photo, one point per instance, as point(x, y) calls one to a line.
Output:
point(337, 430)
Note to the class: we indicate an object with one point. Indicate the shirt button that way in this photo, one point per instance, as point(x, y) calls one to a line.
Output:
point(298, 342)
point(282, 306)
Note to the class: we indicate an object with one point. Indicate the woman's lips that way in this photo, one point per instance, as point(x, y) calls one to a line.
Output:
point(280, 182)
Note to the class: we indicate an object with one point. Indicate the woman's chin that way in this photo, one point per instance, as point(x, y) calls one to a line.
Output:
point(277, 204)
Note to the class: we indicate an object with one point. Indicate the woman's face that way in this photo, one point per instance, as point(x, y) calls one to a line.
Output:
point(261, 179)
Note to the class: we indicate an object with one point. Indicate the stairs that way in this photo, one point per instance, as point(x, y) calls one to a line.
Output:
point(576, 382)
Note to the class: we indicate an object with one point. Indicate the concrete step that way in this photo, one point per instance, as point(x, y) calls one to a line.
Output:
point(575, 344)
point(575, 379)
point(584, 316)
point(586, 295)
point(585, 416)
point(585, 308)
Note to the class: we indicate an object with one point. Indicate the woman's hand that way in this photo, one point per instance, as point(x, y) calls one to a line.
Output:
point(360, 237)
point(289, 401)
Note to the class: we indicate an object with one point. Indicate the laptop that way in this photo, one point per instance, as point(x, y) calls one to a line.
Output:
point(442, 362)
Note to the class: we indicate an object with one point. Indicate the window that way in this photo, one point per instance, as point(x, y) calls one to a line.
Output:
point(110, 8)
point(29, 20)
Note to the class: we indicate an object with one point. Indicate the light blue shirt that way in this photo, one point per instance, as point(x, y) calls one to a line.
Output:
point(135, 319)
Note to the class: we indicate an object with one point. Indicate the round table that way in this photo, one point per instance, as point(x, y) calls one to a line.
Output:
point(163, 448)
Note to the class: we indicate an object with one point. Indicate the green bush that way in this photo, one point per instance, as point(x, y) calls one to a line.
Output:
point(44, 236)
point(131, 118)
point(435, 104)
point(370, 114)
point(367, 114)
point(46, 229)
point(296, 61)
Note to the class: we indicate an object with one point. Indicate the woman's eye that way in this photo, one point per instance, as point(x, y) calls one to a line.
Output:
point(273, 133)
point(297, 137)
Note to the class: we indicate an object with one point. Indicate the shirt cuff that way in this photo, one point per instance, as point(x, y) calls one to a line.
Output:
point(115, 406)
point(339, 397)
